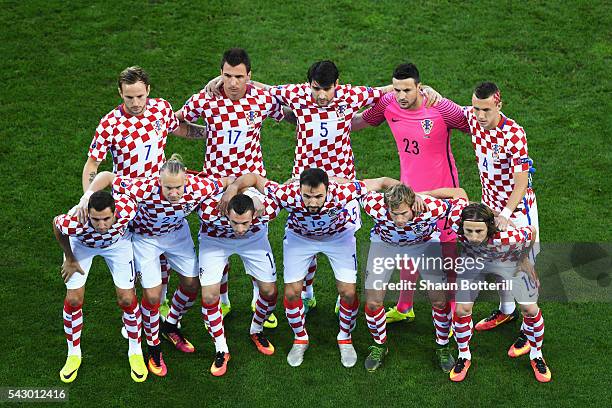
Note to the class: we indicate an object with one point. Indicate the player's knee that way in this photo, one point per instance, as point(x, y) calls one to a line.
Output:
point(268, 291)
point(210, 298)
point(462, 309)
point(529, 310)
point(291, 294)
point(125, 299)
point(74, 299)
point(373, 305)
point(439, 304)
point(348, 295)
point(190, 285)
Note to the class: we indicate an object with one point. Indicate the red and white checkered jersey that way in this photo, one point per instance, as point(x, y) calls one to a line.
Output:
point(333, 217)
point(500, 152)
point(136, 142)
point(503, 246)
point(233, 129)
point(420, 229)
point(125, 210)
point(214, 224)
point(157, 216)
point(324, 133)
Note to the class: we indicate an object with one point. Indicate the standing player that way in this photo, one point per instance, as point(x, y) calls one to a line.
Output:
point(160, 227)
point(103, 233)
point(318, 221)
point(506, 254)
point(135, 133)
point(400, 234)
point(239, 231)
point(233, 120)
point(500, 145)
point(324, 109)
point(422, 134)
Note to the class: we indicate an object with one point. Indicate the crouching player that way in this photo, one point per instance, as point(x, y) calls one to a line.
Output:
point(318, 222)
point(506, 254)
point(236, 229)
point(399, 234)
point(160, 228)
point(104, 232)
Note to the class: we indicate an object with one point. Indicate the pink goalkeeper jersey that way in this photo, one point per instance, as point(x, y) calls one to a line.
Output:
point(423, 140)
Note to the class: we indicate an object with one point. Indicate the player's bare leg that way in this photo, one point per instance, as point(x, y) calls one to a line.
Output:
point(264, 306)
point(73, 325)
point(347, 316)
point(377, 325)
point(463, 328)
point(182, 301)
point(213, 320)
point(442, 317)
point(294, 310)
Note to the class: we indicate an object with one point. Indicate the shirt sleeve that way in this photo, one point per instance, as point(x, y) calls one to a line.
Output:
point(373, 204)
point(349, 191)
point(192, 109)
point(205, 187)
point(69, 225)
point(101, 140)
point(284, 93)
point(514, 236)
point(172, 122)
point(134, 188)
point(456, 208)
point(274, 108)
point(375, 115)
point(453, 115)
point(362, 96)
point(517, 146)
point(125, 210)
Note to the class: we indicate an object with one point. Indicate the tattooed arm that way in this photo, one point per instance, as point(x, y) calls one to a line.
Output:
point(190, 131)
point(90, 170)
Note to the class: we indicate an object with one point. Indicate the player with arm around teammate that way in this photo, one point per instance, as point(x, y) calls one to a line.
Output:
point(160, 227)
point(318, 222)
point(236, 229)
point(104, 232)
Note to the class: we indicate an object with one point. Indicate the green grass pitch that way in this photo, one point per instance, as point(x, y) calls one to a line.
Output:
point(59, 65)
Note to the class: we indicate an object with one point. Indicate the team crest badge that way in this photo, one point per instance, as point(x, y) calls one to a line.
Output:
point(333, 212)
point(427, 125)
point(250, 118)
point(157, 125)
point(187, 207)
point(340, 110)
point(495, 151)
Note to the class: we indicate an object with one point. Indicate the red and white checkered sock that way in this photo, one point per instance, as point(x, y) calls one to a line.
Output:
point(377, 324)
point(181, 303)
point(263, 308)
point(223, 291)
point(347, 318)
point(442, 321)
point(150, 320)
point(307, 290)
point(73, 324)
point(463, 328)
point(213, 319)
point(535, 334)
point(132, 321)
point(295, 316)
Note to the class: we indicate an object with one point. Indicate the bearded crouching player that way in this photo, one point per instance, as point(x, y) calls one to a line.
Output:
point(318, 222)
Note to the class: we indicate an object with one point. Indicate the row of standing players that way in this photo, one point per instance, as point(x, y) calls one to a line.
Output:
point(154, 196)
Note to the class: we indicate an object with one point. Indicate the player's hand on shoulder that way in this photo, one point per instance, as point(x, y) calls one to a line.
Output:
point(419, 206)
point(230, 192)
point(502, 223)
point(433, 97)
point(81, 209)
point(213, 87)
point(69, 268)
point(291, 180)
